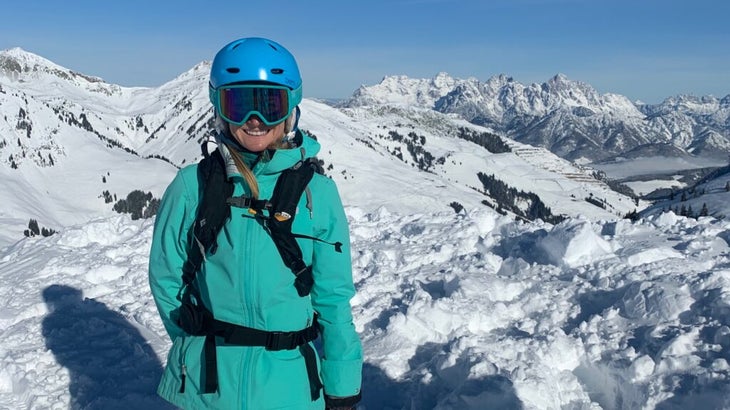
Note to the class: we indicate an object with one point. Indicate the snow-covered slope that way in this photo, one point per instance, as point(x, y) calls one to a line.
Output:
point(56, 157)
point(562, 186)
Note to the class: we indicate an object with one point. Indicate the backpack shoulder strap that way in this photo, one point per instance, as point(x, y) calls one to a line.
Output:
point(212, 212)
point(290, 186)
point(288, 190)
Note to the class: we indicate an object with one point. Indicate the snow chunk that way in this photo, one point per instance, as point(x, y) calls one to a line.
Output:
point(651, 255)
point(641, 369)
point(574, 243)
point(6, 382)
point(665, 219)
point(664, 301)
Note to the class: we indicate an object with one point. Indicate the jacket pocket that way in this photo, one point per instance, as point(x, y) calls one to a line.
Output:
point(281, 379)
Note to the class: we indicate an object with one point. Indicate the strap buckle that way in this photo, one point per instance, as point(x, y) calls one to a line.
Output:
point(239, 201)
point(281, 341)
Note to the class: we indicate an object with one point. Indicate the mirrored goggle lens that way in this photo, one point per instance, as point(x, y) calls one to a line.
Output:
point(237, 103)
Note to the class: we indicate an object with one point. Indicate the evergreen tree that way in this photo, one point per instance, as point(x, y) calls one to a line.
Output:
point(47, 232)
point(457, 206)
point(138, 204)
point(33, 227)
point(633, 215)
point(704, 211)
point(151, 209)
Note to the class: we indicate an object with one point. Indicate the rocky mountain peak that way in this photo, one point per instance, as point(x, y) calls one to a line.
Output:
point(403, 90)
point(17, 64)
point(568, 117)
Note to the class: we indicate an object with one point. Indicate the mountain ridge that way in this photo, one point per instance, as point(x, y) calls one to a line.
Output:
point(568, 117)
point(108, 144)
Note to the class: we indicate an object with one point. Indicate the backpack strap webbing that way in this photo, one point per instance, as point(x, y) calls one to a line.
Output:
point(289, 188)
point(211, 214)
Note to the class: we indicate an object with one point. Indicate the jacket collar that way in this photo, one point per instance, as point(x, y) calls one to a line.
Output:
point(271, 162)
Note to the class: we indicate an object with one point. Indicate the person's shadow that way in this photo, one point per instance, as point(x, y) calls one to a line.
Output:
point(110, 364)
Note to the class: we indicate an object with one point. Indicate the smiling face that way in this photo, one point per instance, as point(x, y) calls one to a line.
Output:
point(256, 136)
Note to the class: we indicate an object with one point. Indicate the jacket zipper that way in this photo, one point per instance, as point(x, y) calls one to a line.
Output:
point(182, 377)
point(183, 368)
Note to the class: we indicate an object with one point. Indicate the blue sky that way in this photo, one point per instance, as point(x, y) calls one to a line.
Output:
point(644, 49)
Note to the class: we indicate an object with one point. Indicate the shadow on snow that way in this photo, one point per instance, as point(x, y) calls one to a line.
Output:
point(448, 387)
point(110, 364)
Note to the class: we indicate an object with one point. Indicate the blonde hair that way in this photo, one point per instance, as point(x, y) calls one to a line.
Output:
point(246, 171)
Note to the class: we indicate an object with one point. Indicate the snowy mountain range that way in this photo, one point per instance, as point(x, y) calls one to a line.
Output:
point(76, 144)
point(569, 118)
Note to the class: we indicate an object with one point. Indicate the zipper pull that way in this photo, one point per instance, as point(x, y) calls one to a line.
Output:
point(182, 377)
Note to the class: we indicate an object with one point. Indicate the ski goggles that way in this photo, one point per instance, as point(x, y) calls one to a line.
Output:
point(238, 102)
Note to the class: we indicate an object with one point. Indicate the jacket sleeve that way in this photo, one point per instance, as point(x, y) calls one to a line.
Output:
point(168, 251)
point(333, 288)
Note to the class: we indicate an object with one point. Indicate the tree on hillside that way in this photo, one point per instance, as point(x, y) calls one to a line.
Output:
point(34, 229)
point(138, 204)
point(704, 211)
point(457, 206)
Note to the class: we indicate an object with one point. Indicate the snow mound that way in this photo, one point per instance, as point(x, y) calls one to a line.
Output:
point(573, 242)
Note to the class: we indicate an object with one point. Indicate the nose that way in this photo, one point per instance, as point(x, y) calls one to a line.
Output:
point(254, 119)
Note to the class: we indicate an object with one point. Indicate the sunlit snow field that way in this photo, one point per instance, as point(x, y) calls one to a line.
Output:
point(455, 311)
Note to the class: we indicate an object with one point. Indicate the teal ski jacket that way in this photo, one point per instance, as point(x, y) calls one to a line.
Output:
point(246, 283)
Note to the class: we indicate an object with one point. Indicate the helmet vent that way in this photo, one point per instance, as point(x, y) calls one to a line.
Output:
point(277, 71)
point(233, 70)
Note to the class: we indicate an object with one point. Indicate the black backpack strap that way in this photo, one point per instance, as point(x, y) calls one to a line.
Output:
point(211, 214)
point(237, 335)
point(287, 192)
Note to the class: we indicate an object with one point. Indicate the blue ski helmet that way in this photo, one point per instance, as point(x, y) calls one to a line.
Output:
point(256, 59)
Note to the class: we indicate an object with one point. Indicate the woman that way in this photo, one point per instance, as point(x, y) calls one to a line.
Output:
point(242, 322)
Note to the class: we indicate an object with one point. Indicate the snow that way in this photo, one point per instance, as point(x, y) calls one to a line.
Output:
point(467, 311)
